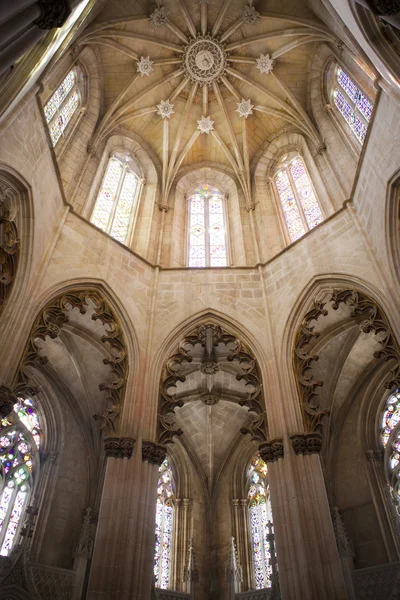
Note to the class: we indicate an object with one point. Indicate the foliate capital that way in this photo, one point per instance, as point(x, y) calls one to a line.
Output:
point(154, 453)
point(7, 401)
point(54, 13)
point(116, 447)
point(271, 451)
point(299, 444)
point(309, 443)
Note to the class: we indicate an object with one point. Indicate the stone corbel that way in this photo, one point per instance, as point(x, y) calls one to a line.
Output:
point(7, 401)
point(153, 453)
point(271, 451)
point(54, 13)
point(308, 443)
point(118, 447)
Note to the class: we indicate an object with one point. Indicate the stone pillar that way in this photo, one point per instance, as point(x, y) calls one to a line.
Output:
point(122, 564)
point(309, 564)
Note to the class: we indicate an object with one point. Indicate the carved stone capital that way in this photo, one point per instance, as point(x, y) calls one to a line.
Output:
point(270, 451)
point(154, 453)
point(186, 502)
point(54, 13)
point(313, 442)
point(277, 448)
point(7, 401)
point(116, 447)
point(235, 504)
point(266, 452)
point(299, 443)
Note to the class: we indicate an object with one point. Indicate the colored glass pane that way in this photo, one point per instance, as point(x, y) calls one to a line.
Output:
point(14, 521)
point(390, 417)
point(164, 523)
point(27, 414)
point(350, 115)
point(207, 236)
point(126, 200)
point(309, 203)
point(355, 94)
point(289, 205)
point(105, 200)
point(59, 96)
point(61, 120)
point(260, 516)
point(5, 500)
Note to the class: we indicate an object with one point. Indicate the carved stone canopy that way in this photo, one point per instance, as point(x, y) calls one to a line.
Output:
point(211, 393)
point(370, 319)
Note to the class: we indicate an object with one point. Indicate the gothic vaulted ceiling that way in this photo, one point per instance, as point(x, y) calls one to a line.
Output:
point(205, 80)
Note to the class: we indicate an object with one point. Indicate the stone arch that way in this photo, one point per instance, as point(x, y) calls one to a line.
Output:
point(237, 216)
point(347, 328)
point(392, 226)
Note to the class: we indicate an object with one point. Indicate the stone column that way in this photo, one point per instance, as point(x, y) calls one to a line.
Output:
point(122, 565)
point(309, 564)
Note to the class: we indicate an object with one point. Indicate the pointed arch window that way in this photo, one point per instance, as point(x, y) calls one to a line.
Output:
point(62, 105)
point(353, 105)
point(260, 515)
point(390, 438)
point(164, 525)
point(207, 228)
point(117, 198)
point(300, 207)
point(20, 439)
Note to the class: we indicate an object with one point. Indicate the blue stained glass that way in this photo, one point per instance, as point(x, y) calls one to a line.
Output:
point(164, 523)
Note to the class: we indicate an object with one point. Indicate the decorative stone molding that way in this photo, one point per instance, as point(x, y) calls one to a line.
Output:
point(154, 453)
point(245, 108)
point(264, 64)
point(309, 443)
point(88, 530)
point(145, 66)
point(205, 125)
point(7, 401)
point(214, 335)
point(371, 319)
point(384, 8)
point(116, 447)
point(375, 455)
point(343, 542)
point(271, 451)
point(9, 242)
point(54, 13)
point(250, 15)
point(205, 60)
point(159, 17)
point(49, 324)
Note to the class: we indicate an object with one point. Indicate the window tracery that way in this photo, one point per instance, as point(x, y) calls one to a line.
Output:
point(390, 433)
point(353, 105)
point(207, 228)
point(20, 439)
point(300, 207)
point(164, 524)
point(62, 106)
point(260, 515)
point(117, 198)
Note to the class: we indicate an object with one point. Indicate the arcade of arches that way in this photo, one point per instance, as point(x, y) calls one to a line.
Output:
point(199, 300)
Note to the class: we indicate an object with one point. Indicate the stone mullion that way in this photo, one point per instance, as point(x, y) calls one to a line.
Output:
point(247, 559)
point(237, 528)
point(377, 481)
point(185, 530)
point(177, 546)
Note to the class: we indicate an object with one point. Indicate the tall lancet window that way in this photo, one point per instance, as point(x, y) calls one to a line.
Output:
point(352, 104)
point(207, 228)
point(164, 524)
point(390, 437)
point(117, 199)
point(300, 207)
point(260, 523)
point(62, 106)
point(20, 437)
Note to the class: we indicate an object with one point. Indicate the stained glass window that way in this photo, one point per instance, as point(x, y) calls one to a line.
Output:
point(62, 106)
point(116, 201)
point(207, 231)
point(390, 434)
point(164, 524)
point(300, 206)
point(20, 438)
point(260, 515)
point(355, 108)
